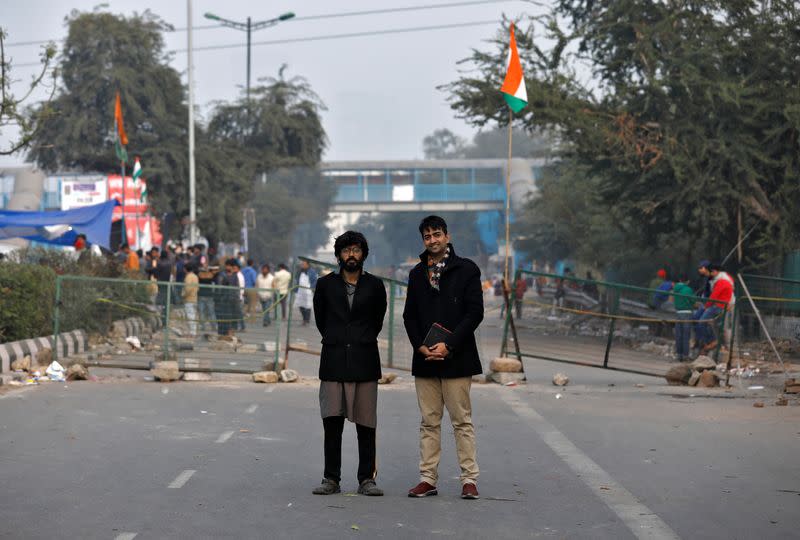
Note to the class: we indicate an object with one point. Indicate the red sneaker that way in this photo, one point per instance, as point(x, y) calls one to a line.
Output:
point(469, 491)
point(423, 489)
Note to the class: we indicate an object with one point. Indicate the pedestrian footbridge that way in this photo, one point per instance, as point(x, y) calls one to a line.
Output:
point(430, 185)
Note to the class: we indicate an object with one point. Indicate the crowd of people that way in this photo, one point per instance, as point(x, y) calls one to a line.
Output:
point(700, 309)
point(217, 293)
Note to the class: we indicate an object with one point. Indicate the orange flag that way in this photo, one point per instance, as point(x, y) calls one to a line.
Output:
point(123, 138)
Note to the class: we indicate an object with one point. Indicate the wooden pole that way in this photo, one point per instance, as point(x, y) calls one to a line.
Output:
point(508, 200)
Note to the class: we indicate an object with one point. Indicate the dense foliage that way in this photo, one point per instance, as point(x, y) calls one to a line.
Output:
point(677, 124)
point(104, 53)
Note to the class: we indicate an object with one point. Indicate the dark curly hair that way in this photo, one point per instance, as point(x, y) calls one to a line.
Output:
point(434, 223)
point(350, 238)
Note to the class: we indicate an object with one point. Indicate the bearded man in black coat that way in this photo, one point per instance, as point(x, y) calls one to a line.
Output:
point(349, 307)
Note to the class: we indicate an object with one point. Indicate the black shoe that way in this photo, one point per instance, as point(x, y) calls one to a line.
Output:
point(328, 487)
point(369, 488)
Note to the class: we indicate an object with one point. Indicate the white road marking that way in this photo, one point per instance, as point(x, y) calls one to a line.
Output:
point(642, 522)
point(126, 536)
point(269, 390)
point(182, 479)
point(224, 437)
point(251, 409)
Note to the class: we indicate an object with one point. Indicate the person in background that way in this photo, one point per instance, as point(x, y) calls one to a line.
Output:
point(227, 298)
point(590, 287)
point(163, 274)
point(131, 259)
point(683, 296)
point(251, 294)
point(238, 307)
point(264, 282)
point(520, 288)
point(663, 289)
point(303, 297)
point(721, 296)
point(281, 282)
point(205, 297)
point(190, 295)
point(704, 291)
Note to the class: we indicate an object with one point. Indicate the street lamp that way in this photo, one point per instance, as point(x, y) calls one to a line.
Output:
point(249, 27)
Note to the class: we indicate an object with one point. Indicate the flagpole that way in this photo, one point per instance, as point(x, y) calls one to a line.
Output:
point(508, 197)
point(124, 225)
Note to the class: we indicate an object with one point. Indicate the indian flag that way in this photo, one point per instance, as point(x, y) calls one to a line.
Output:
point(513, 88)
point(137, 170)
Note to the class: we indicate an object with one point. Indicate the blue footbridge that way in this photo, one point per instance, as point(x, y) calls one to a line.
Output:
point(457, 185)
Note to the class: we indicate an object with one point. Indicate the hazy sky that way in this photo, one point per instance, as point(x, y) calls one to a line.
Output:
point(380, 90)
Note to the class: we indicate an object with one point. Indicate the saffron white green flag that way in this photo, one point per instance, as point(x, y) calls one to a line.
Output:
point(513, 88)
point(137, 170)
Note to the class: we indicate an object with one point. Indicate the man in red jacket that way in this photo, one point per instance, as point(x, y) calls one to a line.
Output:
point(721, 295)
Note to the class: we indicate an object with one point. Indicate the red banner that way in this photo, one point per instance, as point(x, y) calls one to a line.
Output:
point(136, 212)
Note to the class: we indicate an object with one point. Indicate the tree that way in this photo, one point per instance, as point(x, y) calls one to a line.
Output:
point(105, 53)
point(279, 133)
point(688, 127)
point(280, 126)
point(291, 209)
point(485, 144)
point(12, 114)
point(443, 144)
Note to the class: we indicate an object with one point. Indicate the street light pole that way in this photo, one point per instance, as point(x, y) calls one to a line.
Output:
point(192, 201)
point(249, 30)
point(249, 26)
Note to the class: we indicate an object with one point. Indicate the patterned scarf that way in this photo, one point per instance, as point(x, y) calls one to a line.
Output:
point(435, 269)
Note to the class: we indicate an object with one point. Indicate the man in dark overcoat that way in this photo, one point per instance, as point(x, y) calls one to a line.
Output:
point(349, 307)
point(444, 289)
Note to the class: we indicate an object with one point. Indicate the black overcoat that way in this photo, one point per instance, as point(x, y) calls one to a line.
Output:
point(349, 336)
point(457, 305)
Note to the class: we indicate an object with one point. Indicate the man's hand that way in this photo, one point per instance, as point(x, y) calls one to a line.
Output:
point(437, 352)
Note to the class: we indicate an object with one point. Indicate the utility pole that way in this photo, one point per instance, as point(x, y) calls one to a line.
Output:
point(192, 201)
point(249, 27)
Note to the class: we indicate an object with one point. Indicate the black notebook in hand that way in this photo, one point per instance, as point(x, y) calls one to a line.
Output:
point(436, 334)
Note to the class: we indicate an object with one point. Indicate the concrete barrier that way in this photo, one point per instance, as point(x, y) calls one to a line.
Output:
point(69, 343)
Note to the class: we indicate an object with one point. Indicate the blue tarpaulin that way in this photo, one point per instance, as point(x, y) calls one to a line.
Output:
point(60, 227)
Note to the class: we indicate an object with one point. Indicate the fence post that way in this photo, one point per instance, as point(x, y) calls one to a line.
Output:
point(730, 345)
point(615, 311)
point(56, 318)
point(166, 321)
point(391, 323)
point(275, 299)
point(504, 342)
point(290, 302)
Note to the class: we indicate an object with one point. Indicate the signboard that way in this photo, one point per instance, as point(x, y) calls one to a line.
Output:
point(141, 230)
point(79, 191)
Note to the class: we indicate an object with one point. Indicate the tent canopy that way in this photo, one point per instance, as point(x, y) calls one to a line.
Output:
point(60, 227)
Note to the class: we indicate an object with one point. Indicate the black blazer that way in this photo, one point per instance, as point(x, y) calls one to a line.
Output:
point(349, 337)
point(457, 305)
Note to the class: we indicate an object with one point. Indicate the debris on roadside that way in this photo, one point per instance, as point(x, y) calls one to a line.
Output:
point(77, 372)
point(55, 371)
point(387, 379)
point(560, 379)
point(166, 371)
point(265, 377)
point(758, 405)
point(289, 375)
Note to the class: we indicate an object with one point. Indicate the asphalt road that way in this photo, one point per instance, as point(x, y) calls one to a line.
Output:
point(122, 458)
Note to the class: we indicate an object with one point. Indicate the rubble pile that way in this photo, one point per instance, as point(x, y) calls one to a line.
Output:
point(703, 372)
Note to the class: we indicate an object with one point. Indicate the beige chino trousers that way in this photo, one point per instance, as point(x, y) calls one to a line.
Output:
point(433, 395)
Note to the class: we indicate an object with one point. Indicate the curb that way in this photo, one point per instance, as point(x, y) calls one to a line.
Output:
point(69, 343)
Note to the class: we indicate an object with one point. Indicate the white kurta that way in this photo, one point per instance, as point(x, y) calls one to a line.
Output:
point(304, 295)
